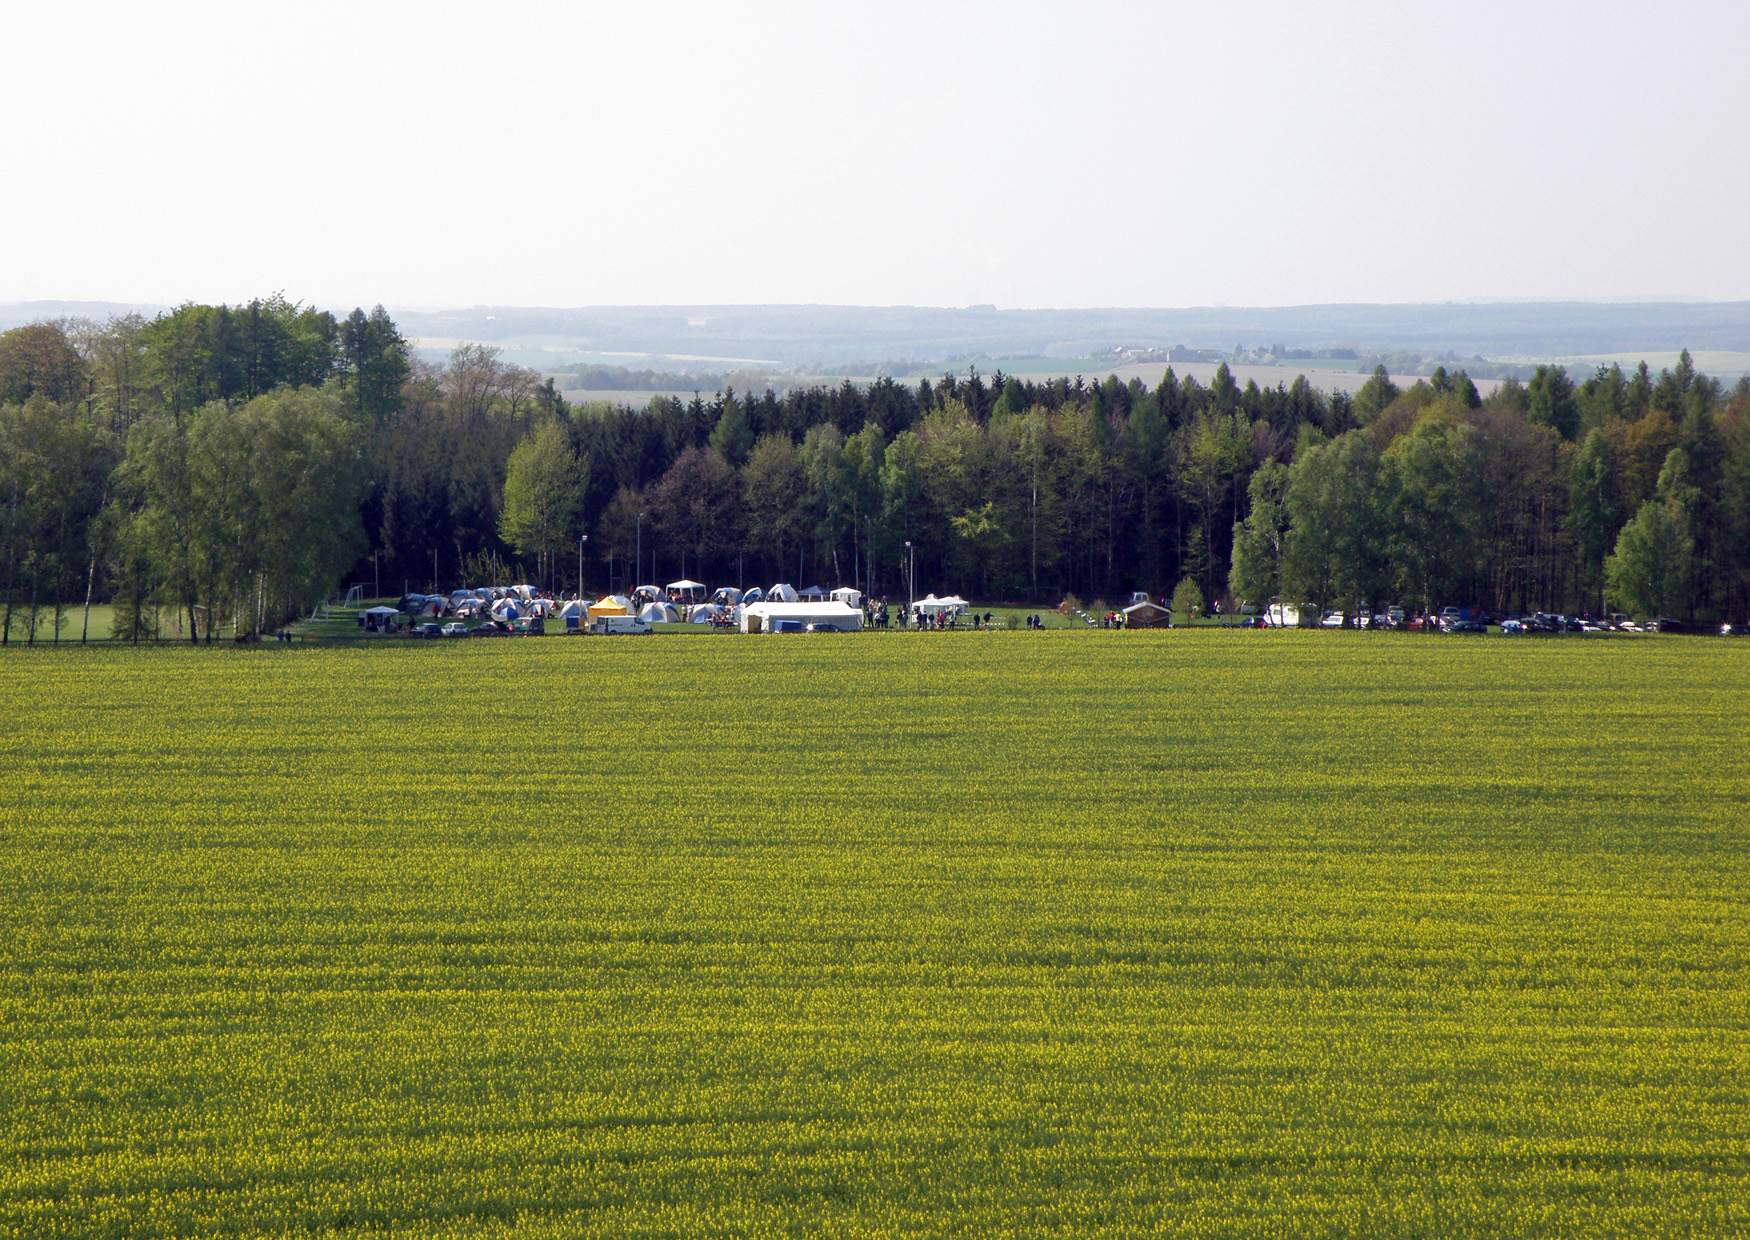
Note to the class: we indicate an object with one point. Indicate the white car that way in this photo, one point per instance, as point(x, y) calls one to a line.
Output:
point(609, 625)
point(1332, 620)
point(454, 629)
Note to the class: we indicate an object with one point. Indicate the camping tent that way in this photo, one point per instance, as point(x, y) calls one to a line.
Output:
point(753, 594)
point(505, 609)
point(612, 605)
point(693, 590)
point(849, 596)
point(812, 594)
point(704, 613)
point(781, 593)
point(659, 613)
point(1146, 616)
point(795, 617)
point(726, 596)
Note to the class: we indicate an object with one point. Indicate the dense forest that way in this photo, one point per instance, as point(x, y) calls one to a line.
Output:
point(229, 466)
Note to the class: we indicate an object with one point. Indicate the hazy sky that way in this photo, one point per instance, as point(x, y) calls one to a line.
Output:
point(1142, 154)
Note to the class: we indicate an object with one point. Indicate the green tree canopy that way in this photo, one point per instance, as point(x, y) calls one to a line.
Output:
point(543, 489)
point(1649, 573)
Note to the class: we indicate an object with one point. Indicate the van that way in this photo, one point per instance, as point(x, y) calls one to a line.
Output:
point(607, 626)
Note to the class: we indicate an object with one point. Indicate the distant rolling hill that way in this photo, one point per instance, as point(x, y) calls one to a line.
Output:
point(839, 337)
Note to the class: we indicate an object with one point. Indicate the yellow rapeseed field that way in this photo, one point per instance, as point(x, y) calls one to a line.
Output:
point(1200, 933)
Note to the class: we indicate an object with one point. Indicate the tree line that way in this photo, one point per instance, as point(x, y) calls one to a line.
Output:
point(234, 464)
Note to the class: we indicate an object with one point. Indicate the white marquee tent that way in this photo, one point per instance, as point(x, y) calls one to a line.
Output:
point(793, 617)
point(930, 605)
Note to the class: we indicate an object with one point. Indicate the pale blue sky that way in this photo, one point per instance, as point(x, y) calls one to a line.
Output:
point(1023, 154)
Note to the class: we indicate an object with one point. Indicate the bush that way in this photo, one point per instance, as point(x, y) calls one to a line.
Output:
point(1187, 600)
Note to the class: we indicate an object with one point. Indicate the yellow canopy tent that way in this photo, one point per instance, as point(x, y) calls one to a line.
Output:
point(608, 607)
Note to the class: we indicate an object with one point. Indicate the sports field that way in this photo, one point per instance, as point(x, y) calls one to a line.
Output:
point(1197, 932)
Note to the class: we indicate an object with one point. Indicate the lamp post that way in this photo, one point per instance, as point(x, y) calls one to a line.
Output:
point(639, 566)
point(911, 573)
point(581, 539)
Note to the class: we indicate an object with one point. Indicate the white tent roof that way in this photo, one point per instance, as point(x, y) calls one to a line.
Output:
point(684, 584)
point(381, 611)
point(932, 603)
point(830, 607)
point(830, 614)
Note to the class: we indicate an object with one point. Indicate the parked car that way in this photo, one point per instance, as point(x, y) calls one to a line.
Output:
point(1666, 624)
point(427, 630)
point(455, 629)
point(1467, 626)
point(611, 625)
point(1331, 620)
point(1734, 630)
point(1512, 628)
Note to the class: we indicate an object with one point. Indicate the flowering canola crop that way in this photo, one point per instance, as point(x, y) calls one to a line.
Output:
point(1198, 933)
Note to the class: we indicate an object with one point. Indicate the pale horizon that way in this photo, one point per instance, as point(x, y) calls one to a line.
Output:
point(1123, 156)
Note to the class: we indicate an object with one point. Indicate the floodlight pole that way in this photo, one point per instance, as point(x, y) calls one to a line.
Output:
point(581, 539)
point(911, 573)
point(639, 566)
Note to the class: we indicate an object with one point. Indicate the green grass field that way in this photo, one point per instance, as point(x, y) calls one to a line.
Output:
point(1195, 932)
point(72, 623)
